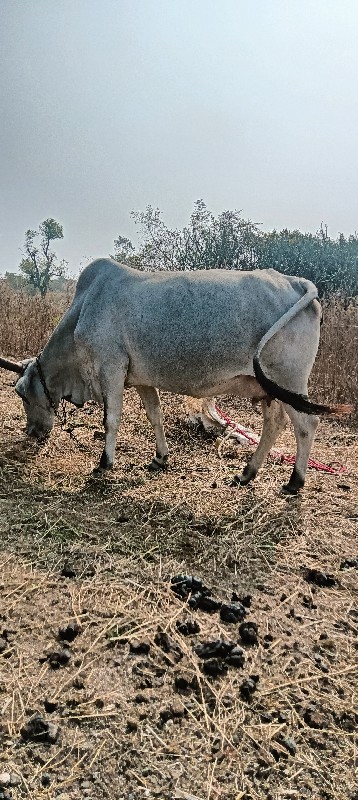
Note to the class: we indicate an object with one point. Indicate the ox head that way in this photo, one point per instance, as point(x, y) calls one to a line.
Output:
point(39, 414)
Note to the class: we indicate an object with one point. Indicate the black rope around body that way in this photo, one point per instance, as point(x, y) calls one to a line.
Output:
point(44, 386)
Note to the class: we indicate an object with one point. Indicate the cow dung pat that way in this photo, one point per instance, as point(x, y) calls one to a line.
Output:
point(323, 579)
point(69, 632)
point(315, 719)
point(166, 644)
point(188, 628)
point(205, 603)
point(50, 706)
point(249, 632)
point(214, 667)
point(139, 647)
point(349, 563)
point(245, 599)
point(248, 687)
point(68, 570)
point(58, 658)
point(236, 657)
point(37, 729)
point(217, 648)
point(182, 585)
point(232, 612)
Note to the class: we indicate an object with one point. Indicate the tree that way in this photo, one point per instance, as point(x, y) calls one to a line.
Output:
point(230, 242)
point(123, 250)
point(226, 241)
point(40, 263)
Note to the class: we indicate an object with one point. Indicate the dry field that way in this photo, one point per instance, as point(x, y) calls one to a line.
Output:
point(89, 636)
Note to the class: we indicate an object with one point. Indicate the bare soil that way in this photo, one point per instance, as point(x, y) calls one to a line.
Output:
point(128, 711)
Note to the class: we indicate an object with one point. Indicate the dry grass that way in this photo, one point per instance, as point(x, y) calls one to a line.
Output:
point(126, 535)
point(335, 374)
point(27, 322)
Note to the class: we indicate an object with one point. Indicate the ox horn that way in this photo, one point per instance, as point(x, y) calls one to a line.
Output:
point(12, 366)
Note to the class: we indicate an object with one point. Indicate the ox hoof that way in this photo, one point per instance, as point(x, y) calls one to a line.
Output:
point(157, 466)
point(246, 476)
point(295, 483)
point(289, 491)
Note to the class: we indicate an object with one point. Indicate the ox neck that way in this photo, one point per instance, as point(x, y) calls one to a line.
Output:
point(59, 365)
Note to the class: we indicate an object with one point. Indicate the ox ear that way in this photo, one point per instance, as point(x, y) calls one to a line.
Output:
point(25, 363)
point(21, 388)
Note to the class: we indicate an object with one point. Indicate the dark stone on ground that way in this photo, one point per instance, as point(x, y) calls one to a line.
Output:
point(37, 729)
point(323, 579)
point(45, 779)
point(200, 595)
point(232, 612)
point(249, 632)
point(69, 632)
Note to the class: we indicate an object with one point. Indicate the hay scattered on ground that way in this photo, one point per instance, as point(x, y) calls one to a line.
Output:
point(126, 729)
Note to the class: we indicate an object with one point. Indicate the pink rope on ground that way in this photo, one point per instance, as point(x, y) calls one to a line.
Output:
point(339, 469)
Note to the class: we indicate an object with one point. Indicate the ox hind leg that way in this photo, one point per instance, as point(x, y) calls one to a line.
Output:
point(150, 399)
point(305, 426)
point(274, 421)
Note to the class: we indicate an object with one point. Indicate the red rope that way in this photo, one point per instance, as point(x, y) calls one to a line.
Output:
point(282, 457)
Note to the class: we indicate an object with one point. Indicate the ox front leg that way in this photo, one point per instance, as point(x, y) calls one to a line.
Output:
point(150, 399)
point(275, 420)
point(305, 427)
point(113, 401)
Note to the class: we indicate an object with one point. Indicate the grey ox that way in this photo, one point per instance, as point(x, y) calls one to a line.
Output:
point(204, 333)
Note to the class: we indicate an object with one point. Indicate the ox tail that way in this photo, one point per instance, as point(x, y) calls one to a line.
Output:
point(299, 402)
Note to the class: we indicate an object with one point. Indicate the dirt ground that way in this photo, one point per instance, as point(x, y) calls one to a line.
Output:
point(102, 696)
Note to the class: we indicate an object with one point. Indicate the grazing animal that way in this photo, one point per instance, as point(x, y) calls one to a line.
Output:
point(204, 333)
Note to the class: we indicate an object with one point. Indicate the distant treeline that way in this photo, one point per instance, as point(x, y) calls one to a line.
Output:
point(226, 241)
point(230, 242)
point(20, 283)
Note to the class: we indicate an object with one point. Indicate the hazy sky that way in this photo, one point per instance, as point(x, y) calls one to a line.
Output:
point(110, 105)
